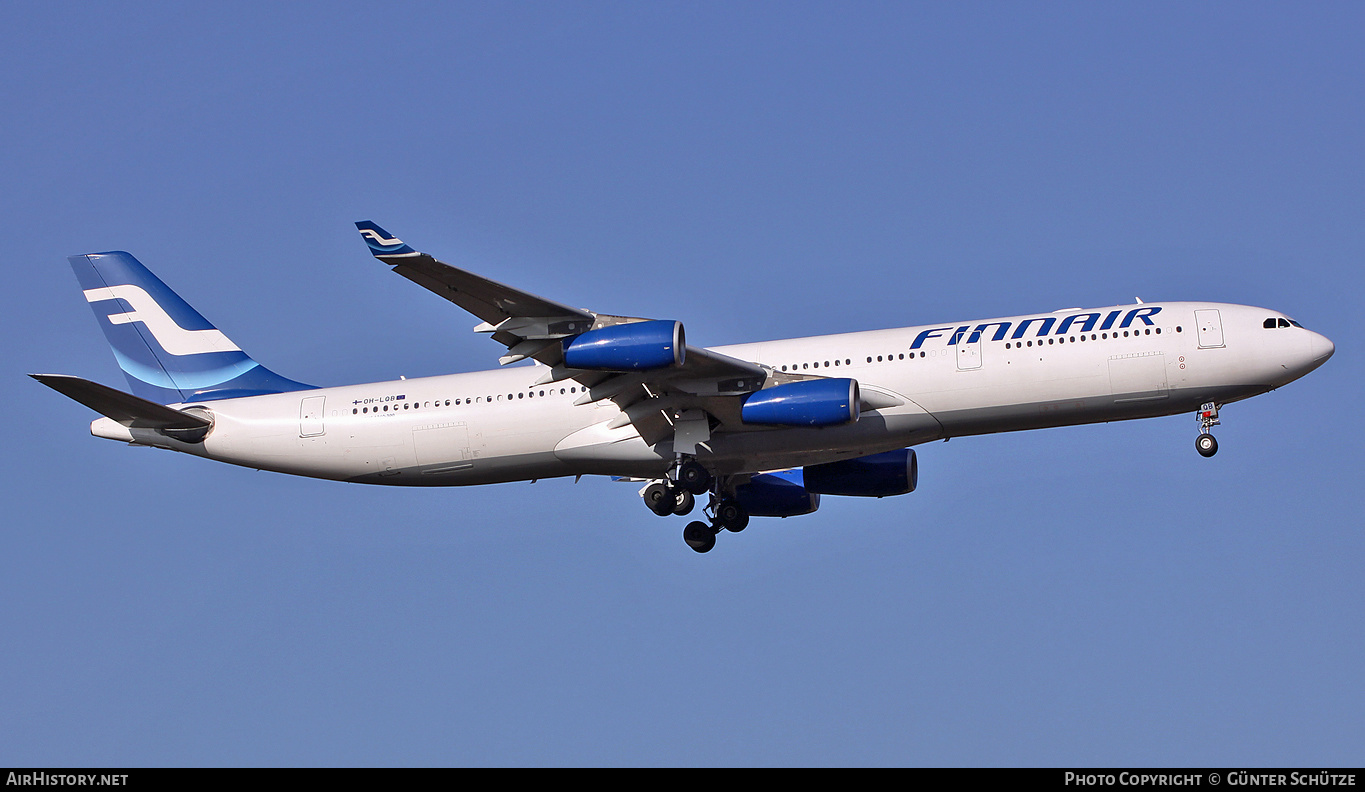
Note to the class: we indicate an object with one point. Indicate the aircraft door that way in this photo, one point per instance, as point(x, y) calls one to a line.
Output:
point(968, 351)
point(1210, 326)
point(310, 416)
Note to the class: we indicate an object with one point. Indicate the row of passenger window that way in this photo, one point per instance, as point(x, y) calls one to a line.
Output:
point(1008, 345)
point(418, 405)
point(817, 364)
point(1093, 337)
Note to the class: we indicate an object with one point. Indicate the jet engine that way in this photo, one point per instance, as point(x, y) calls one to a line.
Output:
point(816, 402)
point(776, 495)
point(633, 346)
point(875, 476)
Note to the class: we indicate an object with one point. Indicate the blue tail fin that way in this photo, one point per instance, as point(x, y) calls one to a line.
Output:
point(381, 242)
point(168, 352)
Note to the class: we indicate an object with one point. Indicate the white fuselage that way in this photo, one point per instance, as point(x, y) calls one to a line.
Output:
point(924, 383)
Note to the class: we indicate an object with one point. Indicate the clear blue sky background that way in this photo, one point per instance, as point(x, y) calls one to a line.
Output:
point(1082, 596)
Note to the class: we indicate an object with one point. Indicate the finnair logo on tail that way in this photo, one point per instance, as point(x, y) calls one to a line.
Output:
point(173, 338)
point(378, 238)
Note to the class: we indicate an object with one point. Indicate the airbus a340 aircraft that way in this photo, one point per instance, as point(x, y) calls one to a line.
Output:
point(762, 429)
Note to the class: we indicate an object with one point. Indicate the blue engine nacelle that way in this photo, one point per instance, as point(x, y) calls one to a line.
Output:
point(875, 476)
point(817, 402)
point(628, 347)
point(776, 495)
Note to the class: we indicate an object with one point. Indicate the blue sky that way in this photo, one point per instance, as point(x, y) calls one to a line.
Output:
point(1083, 596)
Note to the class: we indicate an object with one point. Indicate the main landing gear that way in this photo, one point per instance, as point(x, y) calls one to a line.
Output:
point(1205, 443)
point(677, 495)
point(726, 515)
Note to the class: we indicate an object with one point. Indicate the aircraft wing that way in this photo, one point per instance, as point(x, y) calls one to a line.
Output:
point(705, 382)
point(503, 309)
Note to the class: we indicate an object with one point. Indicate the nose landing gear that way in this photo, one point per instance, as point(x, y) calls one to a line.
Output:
point(1205, 443)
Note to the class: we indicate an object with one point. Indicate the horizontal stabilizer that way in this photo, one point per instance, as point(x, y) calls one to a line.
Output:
point(121, 407)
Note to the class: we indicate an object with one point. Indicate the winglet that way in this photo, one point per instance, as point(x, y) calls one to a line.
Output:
point(381, 242)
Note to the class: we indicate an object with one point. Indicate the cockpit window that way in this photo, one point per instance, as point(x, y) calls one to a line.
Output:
point(1279, 321)
point(1269, 323)
point(1296, 324)
point(1284, 322)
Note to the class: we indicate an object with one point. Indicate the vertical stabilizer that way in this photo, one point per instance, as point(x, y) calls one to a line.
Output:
point(167, 350)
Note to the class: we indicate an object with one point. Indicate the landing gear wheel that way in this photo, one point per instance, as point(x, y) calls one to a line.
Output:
point(731, 516)
point(661, 499)
point(693, 477)
point(699, 536)
point(686, 501)
point(1208, 418)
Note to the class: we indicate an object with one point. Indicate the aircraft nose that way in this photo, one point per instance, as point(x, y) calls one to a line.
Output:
point(1322, 348)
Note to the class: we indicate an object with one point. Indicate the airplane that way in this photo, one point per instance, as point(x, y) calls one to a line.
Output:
point(760, 429)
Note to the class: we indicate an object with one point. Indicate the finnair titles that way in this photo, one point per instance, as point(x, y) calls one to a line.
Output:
point(756, 430)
